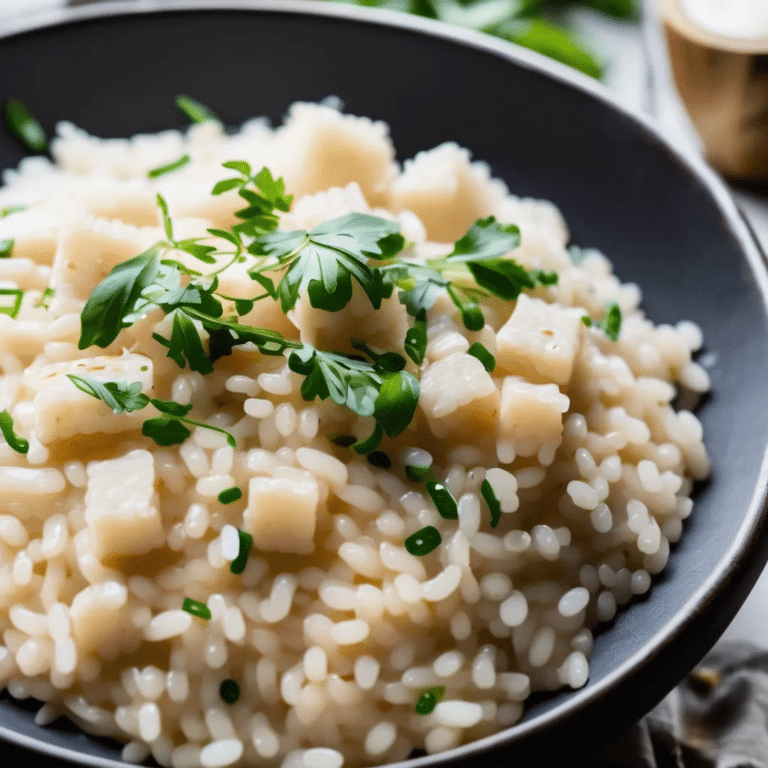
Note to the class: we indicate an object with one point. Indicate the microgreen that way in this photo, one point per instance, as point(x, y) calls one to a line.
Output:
point(415, 343)
point(194, 110)
point(24, 126)
point(429, 700)
point(15, 295)
point(120, 396)
point(493, 503)
point(19, 444)
point(229, 495)
point(169, 167)
point(246, 542)
point(483, 355)
point(196, 608)
point(424, 541)
point(611, 325)
point(229, 691)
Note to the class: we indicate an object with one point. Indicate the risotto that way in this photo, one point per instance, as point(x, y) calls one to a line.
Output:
point(317, 474)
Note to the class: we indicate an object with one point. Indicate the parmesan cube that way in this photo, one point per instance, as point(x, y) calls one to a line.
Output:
point(445, 190)
point(61, 410)
point(539, 341)
point(97, 617)
point(121, 506)
point(458, 395)
point(531, 414)
point(282, 513)
point(85, 257)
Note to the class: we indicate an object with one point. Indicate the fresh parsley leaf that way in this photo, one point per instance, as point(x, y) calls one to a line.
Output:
point(324, 261)
point(186, 345)
point(165, 431)
point(114, 297)
point(120, 396)
point(194, 248)
point(504, 278)
point(167, 224)
point(17, 443)
point(194, 110)
point(6, 248)
point(169, 167)
point(396, 403)
point(272, 189)
point(13, 308)
point(611, 326)
point(24, 126)
point(485, 239)
point(416, 338)
point(171, 408)
point(241, 166)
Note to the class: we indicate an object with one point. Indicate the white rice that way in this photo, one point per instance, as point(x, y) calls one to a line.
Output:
point(333, 632)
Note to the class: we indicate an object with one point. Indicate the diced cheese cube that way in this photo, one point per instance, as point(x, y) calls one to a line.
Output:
point(282, 513)
point(85, 257)
point(458, 394)
point(531, 414)
point(98, 618)
point(61, 410)
point(121, 506)
point(539, 341)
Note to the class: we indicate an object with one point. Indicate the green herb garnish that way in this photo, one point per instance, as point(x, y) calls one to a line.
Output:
point(379, 459)
point(24, 126)
point(19, 444)
point(423, 541)
point(196, 608)
point(120, 396)
point(10, 209)
point(443, 500)
point(11, 309)
point(429, 699)
point(229, 691)
point(483, 355)
point(169, 167)
point(611, 326)
point(194, 110)
point(45, 299)
point(6, 247)
point(246, 542)
point(344, 441)
point(493, 503)
point(230, 495)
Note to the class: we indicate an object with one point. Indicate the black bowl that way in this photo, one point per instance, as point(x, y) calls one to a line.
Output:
point(667, 224)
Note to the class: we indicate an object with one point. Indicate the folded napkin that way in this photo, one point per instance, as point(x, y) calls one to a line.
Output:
point(716, 718)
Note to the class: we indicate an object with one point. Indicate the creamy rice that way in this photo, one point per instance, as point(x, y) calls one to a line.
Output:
point(333, 630)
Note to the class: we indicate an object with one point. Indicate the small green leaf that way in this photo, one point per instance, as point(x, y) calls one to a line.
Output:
point(225, 185)
point(171, 408)
point(6, 247)
point(483, 355)
point(120, 396)
point(165, 431)
point(415, 343)
point(612, 322)
point(493, 503)
point(371, 442)
point(241, 166)
point(187, 344)
point(485, 239)
point(17, 443)
point(396, 402)
point(24, 126)
point(230, 495)
point(169, 167)
point(443, 499)
point(45, 299)
point(11, 209)
point(429, 700)
point(196, 608)
point(423, 541)
point(194, 110)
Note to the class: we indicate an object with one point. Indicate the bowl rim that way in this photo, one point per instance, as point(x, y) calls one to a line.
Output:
point(730, 567)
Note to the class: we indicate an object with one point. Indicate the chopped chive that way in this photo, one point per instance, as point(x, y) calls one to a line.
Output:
point(196, 608)
point(372, 442)
point(228, 495)
point(483, 355)
point(612, 322)
point(586, 320)
point(443, 500)
point(416, 473)
point(429, 699)
point(345, 441)
point(19, 444)
point(379, 459)
point(24, 126)
point(6, 246)
point(45, 299)
point(492, 502)
point(9, 209)
point(229, 691)
point(423, 541)
point(246, 542)
point(163, 169)
point(194, 110)
point(11, 309)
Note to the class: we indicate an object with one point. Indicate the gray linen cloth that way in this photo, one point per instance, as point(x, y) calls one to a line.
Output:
point(716, 718)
